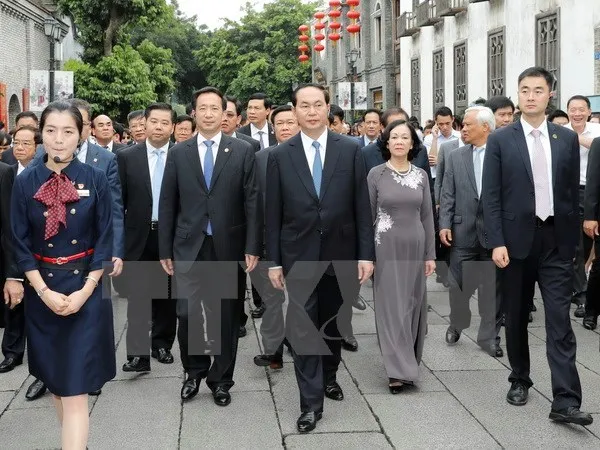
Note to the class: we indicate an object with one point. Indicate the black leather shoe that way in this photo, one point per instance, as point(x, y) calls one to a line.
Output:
point(308, 421)
point(9, 364)
point(530, 318)
point(35, 390)
point(494, 351)
point(590, 322)
point(190, 388)
point(395, 388)
point(349, 343)
point(499, 352)
point(334, 391)
point(242, 332)
point(579, 312)
point(359, 304)
point(137, 364)
point(517, 394)
point(266, 360)
point(221, 396)
point(163, 356)
point(571, 415)
point(95, 393)
point(452, 335)
point(257, 313)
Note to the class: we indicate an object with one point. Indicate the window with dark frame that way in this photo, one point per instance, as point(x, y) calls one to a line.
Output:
point(496, 63)
point(547, 47)
point(438, 79)
point(415, 88)
point(460, 78)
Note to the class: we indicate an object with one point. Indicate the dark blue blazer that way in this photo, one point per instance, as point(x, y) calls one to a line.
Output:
point(106, 161)
point(508, 192)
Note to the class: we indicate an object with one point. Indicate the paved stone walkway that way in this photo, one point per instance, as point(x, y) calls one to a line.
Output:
point(460, 402)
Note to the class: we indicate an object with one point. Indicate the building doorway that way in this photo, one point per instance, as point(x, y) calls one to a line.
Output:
point(14, 108)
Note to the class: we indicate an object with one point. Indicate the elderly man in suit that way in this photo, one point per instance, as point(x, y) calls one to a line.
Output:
point(24, 118)
point(461, 229)
point(209, 213)
point(531, 192)
point(317, 212)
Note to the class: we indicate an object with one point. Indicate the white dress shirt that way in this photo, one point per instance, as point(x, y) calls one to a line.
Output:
point(545, 138)
point(215, 147)
point(591, 130)
point(153, 158)
point(428, 142)
point(20, 168)
point(310, 151)
point(254, 132)
point(475, 149)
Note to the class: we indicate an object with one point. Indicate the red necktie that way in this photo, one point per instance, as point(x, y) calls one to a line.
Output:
point(55, 194)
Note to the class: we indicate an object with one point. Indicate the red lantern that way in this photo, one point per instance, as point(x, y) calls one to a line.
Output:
point(319, 15)
point(334, 37)
point(353, 3)
point(353, 15)
point(335, 26)
point(319, 26)
point(303, 47)
point(353, 29)
point(319, 37)
point(335, 3)
point(304, 38)
point(319, 47)
point(303, 58)
point(335, 13)
point(303, 28)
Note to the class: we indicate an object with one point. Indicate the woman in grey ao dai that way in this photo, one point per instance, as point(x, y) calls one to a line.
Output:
point(405, 253)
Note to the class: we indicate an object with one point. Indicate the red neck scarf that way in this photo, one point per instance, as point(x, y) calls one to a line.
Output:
point(55, 194)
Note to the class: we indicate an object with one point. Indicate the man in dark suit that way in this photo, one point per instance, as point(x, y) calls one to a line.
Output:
point(104, 132)
point(317, 211)
point(209, 212)
point(231, 121)
point(141, 169)
point(462, 230)
point(23, 118)
point(259, 128)
point(6, 180)
point(531, 192)
point(272, 327)
point(591, 216)
point(372, 121)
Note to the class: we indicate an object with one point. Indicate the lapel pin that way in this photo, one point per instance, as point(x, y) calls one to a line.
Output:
point(95, 159)
point(80, 186)
point(226, 150)
point(555, 136)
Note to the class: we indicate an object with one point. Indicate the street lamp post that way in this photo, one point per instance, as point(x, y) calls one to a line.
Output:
point(52, 31)
point(351, 58)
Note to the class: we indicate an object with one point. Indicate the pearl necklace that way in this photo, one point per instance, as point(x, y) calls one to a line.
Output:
point(402, 174)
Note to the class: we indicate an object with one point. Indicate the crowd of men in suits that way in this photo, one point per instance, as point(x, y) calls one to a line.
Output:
point(518, 198)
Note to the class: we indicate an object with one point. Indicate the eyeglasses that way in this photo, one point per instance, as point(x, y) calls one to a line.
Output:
point(23, 143)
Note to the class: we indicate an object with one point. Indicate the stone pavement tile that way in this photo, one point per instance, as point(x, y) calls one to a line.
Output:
point(366, 367)
point(366, 292)
point(20, 402)
point(595, 427)
point(36, 428)
point(465, 355)
point(483, 394)
point(439, 302)
point(363, 322)
point(248, 376)
point(333, 441)
point(432, 285)
point(350, 415)
point(428, 420)
point(248, 422)
point(433, 318)
point(5, 399)
point(137, 414)
point(13, 380)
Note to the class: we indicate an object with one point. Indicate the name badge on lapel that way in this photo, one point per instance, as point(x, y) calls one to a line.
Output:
point(81, 191)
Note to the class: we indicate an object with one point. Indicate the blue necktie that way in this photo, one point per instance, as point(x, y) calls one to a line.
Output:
point(317, 168)
point(159, 170)
point(262, 143)
point(209, 165)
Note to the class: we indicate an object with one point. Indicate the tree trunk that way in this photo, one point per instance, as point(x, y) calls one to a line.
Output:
point(110, 35)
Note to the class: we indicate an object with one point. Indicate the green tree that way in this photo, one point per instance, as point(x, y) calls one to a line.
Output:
point(259, 53)
point(162, 70)
point(117, 84)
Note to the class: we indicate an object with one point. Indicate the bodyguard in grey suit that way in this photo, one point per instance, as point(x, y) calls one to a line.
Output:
point(443, 153)
point(462, 229)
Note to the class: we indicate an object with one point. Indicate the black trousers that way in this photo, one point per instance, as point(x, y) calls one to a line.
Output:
point(554, 276)
point(583, 253)
point(13, 341)
point(592, 304)
point(442, 252)
point(313, 329)
point(471, 269)
point(201, 307)
point(147, 282)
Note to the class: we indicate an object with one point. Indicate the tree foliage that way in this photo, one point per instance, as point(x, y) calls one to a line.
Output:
point(259, 53)
point(162, 70)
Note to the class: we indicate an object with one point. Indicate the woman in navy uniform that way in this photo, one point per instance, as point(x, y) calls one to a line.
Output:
point(61, 221)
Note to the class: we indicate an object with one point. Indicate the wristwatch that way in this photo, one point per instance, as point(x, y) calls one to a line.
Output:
point(41, 291)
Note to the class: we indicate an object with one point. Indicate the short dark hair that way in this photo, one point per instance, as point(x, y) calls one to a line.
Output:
point(209, 90)
point(429, 126)
point(309, 85)
point(236, 102)
point(557, 113)
point(538, 72)
point(119, 129)
point(159, 106)
point(5, 137)
point(385, 137)
point(580, 97)
point(37, 136)
point(480, 101)
point(371, 111)
point(185, 118)
point(393, 111)
point(444, 111)
point(81, 105)
point(499, 102)
point(261, 96)
point(189, 108)
point(27, 114)
point(62, 107)
point(278, 110)
point(135, 115)
point(337, 111)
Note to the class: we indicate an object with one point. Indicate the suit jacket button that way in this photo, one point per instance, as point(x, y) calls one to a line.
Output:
point(50, 245)
point(45, 213)
point(74, 241)
point(76, 272)
point(50, 275)
point(73, 211)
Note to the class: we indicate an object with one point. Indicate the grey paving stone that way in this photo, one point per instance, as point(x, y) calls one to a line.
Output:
point(341, 441)
point(366, 367)
point(36, 428)
point(429, 420)
point(363, 322)
point(136, 414)
point(433, 318)
point(465, 355)
point(366, 291)
point(5, 399)
point(248, 422)
point(350, 415)
point(483, 393)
